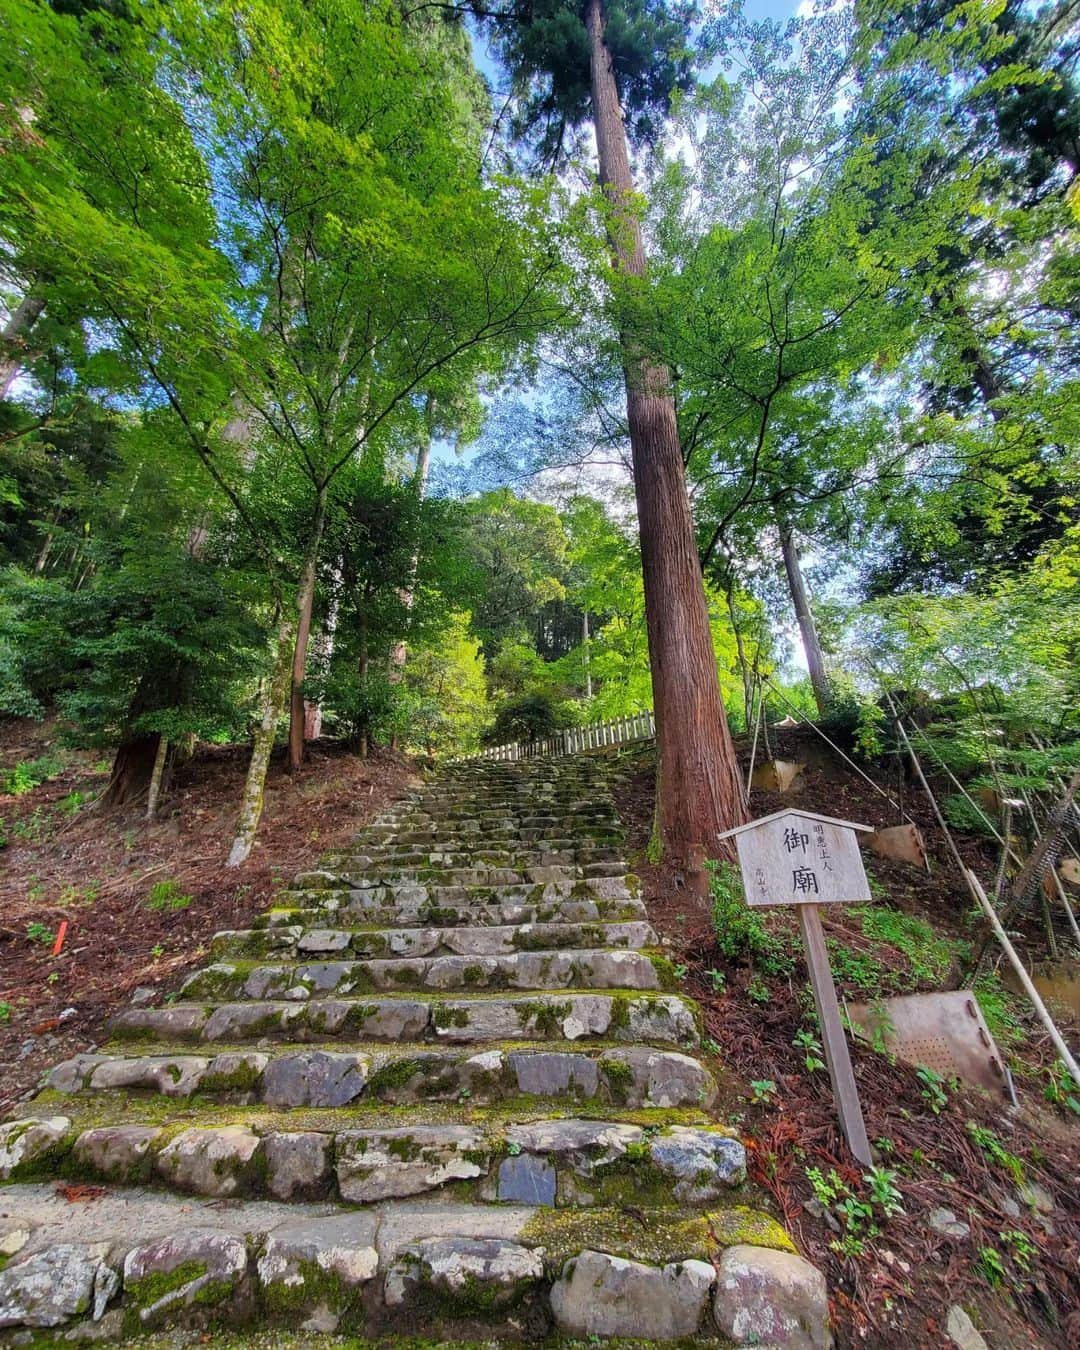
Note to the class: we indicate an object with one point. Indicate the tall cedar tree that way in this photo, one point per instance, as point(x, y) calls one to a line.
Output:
point(618, 63)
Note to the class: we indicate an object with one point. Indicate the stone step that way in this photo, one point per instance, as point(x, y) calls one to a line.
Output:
point(392, 859)
point(361, 875)
point(656, 1019)
point(558, 1163)
point(290, 943)
point(632, 1076)
point(419, 914)
point(138, 1260)
point(319, 887)
point(592, 968)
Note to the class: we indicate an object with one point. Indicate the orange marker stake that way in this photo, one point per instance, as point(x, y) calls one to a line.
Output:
point(61, 934)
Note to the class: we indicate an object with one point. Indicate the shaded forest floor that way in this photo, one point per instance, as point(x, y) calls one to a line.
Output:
point(142, 901)
point(1012, 1176)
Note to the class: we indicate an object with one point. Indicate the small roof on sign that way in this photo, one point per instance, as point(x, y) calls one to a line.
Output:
point(791, 811)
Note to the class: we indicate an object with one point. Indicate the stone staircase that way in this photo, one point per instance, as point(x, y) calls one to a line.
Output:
point(444, 1087)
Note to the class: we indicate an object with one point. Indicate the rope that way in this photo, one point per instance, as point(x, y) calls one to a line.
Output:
point(832, 744)
point(753, 747)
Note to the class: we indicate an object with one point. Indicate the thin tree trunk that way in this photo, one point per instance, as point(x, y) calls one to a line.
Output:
point(399, 652)
point(305, 602)
point(585, 653)
point(21, 319)
point(274, 696)
point(815, 658)
point(156, 775)
point(698, 786)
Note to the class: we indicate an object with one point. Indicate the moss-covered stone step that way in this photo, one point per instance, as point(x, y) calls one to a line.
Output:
point(316, 1077)
point(421, 913)
point(325, 887)
point(558, 1163)
point(593, 968)
point(648, 1018)
point(473, 831)
point(361, 874)
point(137, 1260)
point(461, 940)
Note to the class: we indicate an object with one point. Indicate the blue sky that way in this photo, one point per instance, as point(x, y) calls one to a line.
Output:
point(756, 9)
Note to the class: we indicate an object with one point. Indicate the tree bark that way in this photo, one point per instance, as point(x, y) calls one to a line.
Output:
point(585, 653)
point(305, 603)
point(698, 787)
point(251, 803)
point(156, 776)
point(21, 319)
point(815, 658)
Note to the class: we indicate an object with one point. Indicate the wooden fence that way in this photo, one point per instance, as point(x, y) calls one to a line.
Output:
point(574, 740)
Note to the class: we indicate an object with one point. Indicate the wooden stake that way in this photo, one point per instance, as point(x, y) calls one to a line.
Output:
point(837, 1058)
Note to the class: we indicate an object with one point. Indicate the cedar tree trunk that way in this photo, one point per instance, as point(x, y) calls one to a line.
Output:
point(699, 792)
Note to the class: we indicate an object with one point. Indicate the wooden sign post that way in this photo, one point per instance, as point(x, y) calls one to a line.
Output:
point(799, 858)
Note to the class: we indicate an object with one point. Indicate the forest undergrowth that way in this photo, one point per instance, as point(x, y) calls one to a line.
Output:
point(1008, 1175)
point(142, 901)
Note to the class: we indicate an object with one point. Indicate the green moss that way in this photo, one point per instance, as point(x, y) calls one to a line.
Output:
point(618, 1077)
point(665, 970)
point(145, 1292)
point(407, 977)
point(244, 1078)
point(398, 1073)
point(546, 1017)
point(473, 975)
point(444, 1016)
point(403, 1147)
point(620, 1013)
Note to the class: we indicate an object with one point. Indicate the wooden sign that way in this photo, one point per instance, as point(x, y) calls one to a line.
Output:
point(803, 859)
point(799, 858)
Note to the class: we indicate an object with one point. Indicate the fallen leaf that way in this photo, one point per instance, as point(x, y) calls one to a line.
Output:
point(76, 1192)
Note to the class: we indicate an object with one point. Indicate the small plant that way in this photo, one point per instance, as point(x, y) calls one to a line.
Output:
point(72, 804)
point(680, 972)
point(39, 932)
point(5, 1012)
point(718, 980)
point(157, 951)
point(933, 1090)
point(763, 1091)
point(709, 1046)
point(809, 1044)
point(1021, 1249)
point(995, 1151)
point(1061, 1090)
point(52, 977)
point(884, 1192)
point(758, 990)
point(991, 1267)
point(167, 895)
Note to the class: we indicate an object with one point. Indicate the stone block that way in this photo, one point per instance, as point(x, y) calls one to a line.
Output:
point(299, 1166)
point(215, 1162)
point(766, 1297)
point(24, 1142)
point(314, 1078)
point(196, 1266)
point(384, 1164)
point(602, 1295)
point(476, 1276)
point(48, 1288)
point(118, 1153)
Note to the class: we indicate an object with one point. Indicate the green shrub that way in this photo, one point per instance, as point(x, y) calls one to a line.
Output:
point(740, 931)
